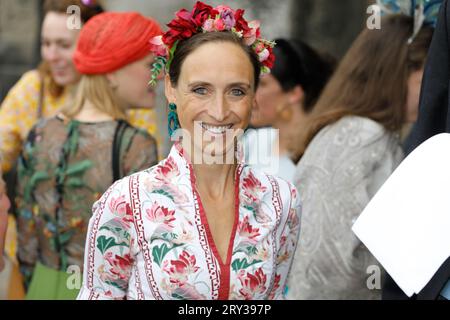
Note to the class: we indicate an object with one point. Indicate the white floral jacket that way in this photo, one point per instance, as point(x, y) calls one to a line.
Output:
point(149, 238)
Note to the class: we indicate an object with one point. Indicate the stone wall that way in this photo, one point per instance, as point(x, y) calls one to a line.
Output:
point(19, 36)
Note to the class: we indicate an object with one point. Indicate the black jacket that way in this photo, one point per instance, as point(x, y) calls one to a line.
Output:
point(434, 118)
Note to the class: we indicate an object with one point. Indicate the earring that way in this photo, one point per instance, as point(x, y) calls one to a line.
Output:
point(173, 122)
point(286, 113)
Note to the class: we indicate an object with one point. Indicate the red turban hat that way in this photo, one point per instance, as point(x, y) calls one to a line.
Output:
point(111, 40)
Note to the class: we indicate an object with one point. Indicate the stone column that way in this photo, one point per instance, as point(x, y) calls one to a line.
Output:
point(19, 40)
point(329, 25)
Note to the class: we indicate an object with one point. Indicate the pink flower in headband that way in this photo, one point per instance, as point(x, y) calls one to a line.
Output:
point(88, 3)
point(253, 33)
point(158, 47)
point(204, 18)
point(227, 16)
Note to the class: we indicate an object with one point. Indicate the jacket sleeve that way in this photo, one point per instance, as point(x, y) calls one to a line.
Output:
point(108, 252)
point(289, 238)
point(17, 116)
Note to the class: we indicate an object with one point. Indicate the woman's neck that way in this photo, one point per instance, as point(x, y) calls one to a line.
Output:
point(89, 113)
point(215, 180)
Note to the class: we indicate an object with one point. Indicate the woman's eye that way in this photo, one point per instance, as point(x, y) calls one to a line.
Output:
point(237, 92)
point(201, 91)
point(66, 45)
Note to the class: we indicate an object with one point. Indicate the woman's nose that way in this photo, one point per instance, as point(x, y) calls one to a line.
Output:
point(219, 110)
point(52, 53)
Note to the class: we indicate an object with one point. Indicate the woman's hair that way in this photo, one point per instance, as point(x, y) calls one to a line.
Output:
point(371, 80)
point(98, 91)
point(298, 64)
point(60, 6)
point(186, 47)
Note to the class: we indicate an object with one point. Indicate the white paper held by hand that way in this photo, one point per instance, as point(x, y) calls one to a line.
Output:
point(406, 225)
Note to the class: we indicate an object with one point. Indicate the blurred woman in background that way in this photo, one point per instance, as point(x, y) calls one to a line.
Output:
point(70, 159)
point(284, 98)
point(351, 147)
point(43, 92)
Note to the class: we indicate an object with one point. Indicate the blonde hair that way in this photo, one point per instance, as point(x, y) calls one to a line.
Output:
point(98, 91)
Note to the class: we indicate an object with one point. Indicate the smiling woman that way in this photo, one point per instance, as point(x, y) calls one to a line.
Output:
point(188, 229)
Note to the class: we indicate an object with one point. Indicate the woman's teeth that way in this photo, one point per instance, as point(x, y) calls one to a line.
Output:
point(216, 129)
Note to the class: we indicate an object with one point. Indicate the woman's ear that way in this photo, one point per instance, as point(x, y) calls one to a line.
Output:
point(296, 95)
point(169, 90)
point(112, 80)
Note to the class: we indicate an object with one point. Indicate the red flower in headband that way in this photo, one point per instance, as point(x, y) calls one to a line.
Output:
point(201, 12)
point(269, 62)
point(241, 23)
point(180, 28)
point(204, 18)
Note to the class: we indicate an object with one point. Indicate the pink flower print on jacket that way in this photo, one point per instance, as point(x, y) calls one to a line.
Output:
point(252, 284)
point(248, 232)
point(119, 271)
point(161, 215)
point(179, 270)
point(121, 209)
point(253, 192)
point(168, 172)
point(252, 188)
point(120, 266)
point(248, 238)
point(165, 182)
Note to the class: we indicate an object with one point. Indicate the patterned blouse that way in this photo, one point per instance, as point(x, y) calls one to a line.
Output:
point(342, 169)
point(19, 112)
point(63, 170)
point(149, 238)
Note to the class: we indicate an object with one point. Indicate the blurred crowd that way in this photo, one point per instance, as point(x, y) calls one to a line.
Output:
point(333, 128)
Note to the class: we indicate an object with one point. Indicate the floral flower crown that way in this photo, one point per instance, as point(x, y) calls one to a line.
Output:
point(204, 18)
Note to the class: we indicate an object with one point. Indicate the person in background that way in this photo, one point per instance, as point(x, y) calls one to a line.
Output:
point(43, 92)
point(284, 98)
point(70, 159)
point(351, 146)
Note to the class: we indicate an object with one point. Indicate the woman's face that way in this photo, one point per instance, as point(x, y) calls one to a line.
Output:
point(269, 98)
point(57, 48)
point(412, 103)
point(131, 83)
point(214, 96)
